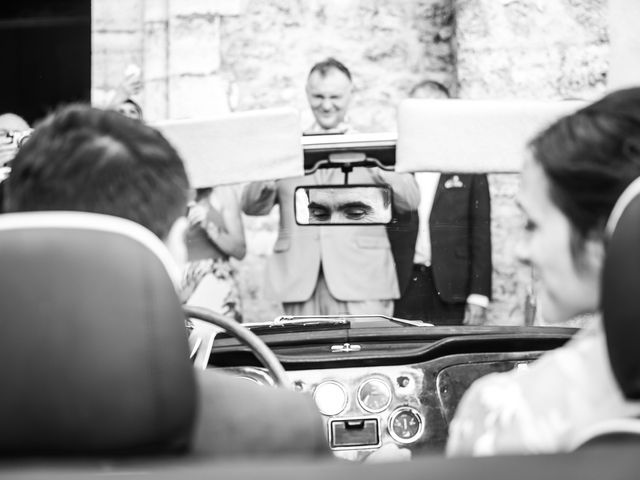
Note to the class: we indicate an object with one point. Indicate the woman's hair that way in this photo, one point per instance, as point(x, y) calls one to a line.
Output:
point(589, 158)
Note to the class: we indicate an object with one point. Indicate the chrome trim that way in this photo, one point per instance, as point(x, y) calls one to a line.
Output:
point(345, 348)
point(356, 447)
point(389, 395)
point(349, 141)
point(344, 400)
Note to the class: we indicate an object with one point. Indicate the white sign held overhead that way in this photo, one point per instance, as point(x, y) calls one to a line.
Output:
point(471, 136)
point(238, 147)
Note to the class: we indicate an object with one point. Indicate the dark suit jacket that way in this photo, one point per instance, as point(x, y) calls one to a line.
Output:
point(460, 230)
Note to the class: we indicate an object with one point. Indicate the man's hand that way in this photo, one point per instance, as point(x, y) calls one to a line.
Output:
point(474, 315)
point(197, 215)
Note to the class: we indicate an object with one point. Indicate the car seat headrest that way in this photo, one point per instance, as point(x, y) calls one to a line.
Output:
point(621, 290)
point(93, 354)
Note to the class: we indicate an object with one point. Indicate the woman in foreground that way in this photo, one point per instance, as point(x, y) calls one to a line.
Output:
point(577, 169)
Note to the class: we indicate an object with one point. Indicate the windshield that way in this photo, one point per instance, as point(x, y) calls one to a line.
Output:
point(345, 67)
point(364, 99)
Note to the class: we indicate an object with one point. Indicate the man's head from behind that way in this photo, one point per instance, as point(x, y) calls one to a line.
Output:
point(429, 89)
point(85, 159)
point(329, 92)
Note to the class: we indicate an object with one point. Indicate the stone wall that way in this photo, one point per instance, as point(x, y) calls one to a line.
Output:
point(388, 45)
point(526, 49)
point(176, 43)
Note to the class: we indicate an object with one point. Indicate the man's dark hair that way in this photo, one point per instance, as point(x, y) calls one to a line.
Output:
point(329, 64)
point(589, 158)
point(84, 159)
point(429, 85)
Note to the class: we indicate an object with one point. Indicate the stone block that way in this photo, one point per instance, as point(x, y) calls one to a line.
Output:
point(155, 11)
point(154, 102)
point(117, 15)
point(197, 96)
point(194, 45)
point(155, 53)
point(116, 41)
point(206, 7)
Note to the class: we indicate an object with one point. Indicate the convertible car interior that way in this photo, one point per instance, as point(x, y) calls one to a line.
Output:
point(96, 361)
point(98, 381)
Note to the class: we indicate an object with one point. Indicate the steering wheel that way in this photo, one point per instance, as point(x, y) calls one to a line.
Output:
point(245, 336)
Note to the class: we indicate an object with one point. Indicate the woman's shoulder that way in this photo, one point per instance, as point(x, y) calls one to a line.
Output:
point(526, 409)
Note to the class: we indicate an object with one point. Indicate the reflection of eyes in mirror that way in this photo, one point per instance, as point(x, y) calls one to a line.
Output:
point(343, 205)
point(355, 211)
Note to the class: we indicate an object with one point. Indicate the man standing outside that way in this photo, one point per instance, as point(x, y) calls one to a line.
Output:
point(330, 270)
point(443, 254)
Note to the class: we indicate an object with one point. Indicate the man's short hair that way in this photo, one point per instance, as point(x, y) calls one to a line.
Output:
point(430, 85)
point(327, 65)
point(84, 159)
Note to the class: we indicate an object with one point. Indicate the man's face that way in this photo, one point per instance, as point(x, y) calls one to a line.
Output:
point(329, 97)
point(128, 110)
point(347, 206)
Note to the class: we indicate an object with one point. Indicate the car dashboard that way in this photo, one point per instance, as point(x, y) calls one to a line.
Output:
point(402, 391)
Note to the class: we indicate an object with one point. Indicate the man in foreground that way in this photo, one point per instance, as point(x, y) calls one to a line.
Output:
point(85, 159)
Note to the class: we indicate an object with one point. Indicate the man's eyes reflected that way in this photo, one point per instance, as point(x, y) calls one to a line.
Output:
point(356, 213)
point(319, 213)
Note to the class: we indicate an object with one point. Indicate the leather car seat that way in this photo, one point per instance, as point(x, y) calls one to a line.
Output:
point(94, 357)
point(620, 304)
point(93, 351)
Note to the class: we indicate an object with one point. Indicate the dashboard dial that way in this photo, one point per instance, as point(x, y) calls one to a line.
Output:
point(406, 425)
point(330, 398)
point(374, 395)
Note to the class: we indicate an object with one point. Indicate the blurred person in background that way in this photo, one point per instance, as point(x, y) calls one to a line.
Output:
point(443, 249)
point(10, 125)
point(215, 234)
point(330, 270)
point(14, 131)
point(130, 108)
point(329, 88)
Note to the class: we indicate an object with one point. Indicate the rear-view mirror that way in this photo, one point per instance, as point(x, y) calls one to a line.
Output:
point(343, 204)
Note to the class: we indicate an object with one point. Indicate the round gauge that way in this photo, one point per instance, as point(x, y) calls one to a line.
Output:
point(330, 398)
point(405, 425)
point(374, 395)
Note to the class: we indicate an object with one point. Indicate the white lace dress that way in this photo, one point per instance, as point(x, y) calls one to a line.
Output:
point(542, 408)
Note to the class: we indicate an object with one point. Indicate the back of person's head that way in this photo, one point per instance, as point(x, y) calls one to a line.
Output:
point(429, 89)
point(589, 158)
point(328, 65)
point(84, 159)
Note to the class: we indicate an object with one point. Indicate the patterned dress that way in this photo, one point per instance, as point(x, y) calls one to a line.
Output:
point(209, 275)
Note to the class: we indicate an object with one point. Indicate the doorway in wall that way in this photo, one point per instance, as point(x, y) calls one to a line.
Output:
point(46, 55)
